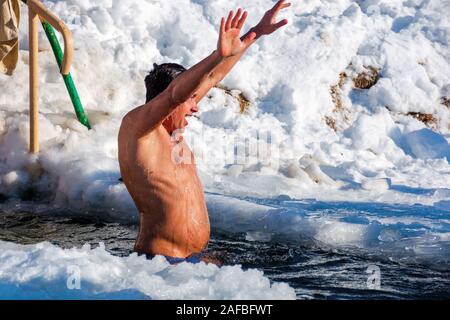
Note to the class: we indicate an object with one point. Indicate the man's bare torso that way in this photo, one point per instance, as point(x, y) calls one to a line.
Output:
point(169, 195)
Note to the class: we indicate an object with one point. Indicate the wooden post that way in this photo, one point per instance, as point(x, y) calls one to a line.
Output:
point(36, 9)
point(33, 23)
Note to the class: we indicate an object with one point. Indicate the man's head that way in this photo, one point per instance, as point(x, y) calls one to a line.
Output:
point(157, 81)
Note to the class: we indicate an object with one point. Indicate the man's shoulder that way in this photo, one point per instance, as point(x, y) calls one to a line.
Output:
point(131, 117)
point(132, 125)
point(148, 117)
point(133, 132)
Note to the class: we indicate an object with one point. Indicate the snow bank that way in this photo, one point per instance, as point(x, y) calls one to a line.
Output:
point(45, 271)
point(425, 144)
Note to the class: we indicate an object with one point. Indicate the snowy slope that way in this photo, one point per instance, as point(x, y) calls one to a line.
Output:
point(45, 271)
point(288, 79)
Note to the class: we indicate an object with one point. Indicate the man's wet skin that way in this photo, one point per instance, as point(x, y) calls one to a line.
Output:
point(166, 190)
point(157, 165)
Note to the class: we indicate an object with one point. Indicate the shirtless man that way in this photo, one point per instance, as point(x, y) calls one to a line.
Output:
point(167, 192)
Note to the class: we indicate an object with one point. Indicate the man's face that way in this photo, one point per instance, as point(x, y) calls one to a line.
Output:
point(177, 119)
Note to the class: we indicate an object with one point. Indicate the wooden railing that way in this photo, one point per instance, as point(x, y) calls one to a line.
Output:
point(36, 9)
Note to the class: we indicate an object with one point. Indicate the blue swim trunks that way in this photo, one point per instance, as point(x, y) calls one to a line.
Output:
point(193, 258)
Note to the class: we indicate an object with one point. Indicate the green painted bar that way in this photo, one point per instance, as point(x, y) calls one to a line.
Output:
point(70, 85)
point(81, 115)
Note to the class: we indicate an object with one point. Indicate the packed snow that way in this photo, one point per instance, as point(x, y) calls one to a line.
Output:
point(350, 102)
point(45, 271)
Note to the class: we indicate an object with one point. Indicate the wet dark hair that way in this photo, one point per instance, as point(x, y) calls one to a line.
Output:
point(160, 77)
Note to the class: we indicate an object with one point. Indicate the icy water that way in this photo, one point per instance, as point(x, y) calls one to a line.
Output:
point(314, 271)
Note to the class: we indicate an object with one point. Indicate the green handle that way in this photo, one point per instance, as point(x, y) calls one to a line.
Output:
point(70, 85)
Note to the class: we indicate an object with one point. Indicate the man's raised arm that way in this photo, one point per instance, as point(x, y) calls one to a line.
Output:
point(266, 26)
point(229, 45)
point(187, 83)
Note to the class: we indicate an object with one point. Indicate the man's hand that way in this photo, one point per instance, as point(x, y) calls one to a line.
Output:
point(229, 43)
point(230, 47)
point(268, 23)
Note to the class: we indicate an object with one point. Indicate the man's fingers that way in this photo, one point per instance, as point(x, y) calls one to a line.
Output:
point(236, 18)
point(277, 5)
point(222, 26)
point(280, 5)
point(281, 23)
point(228, 23)
point(242, 20)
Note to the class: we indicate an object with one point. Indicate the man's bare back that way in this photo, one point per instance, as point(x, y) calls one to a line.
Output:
point(157, 166)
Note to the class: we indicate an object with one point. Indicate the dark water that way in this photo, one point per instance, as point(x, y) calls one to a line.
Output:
point(314, 272)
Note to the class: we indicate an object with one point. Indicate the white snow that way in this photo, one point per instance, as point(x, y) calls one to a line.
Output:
point(287, 78)
point(45, 271)
point(380, 152)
